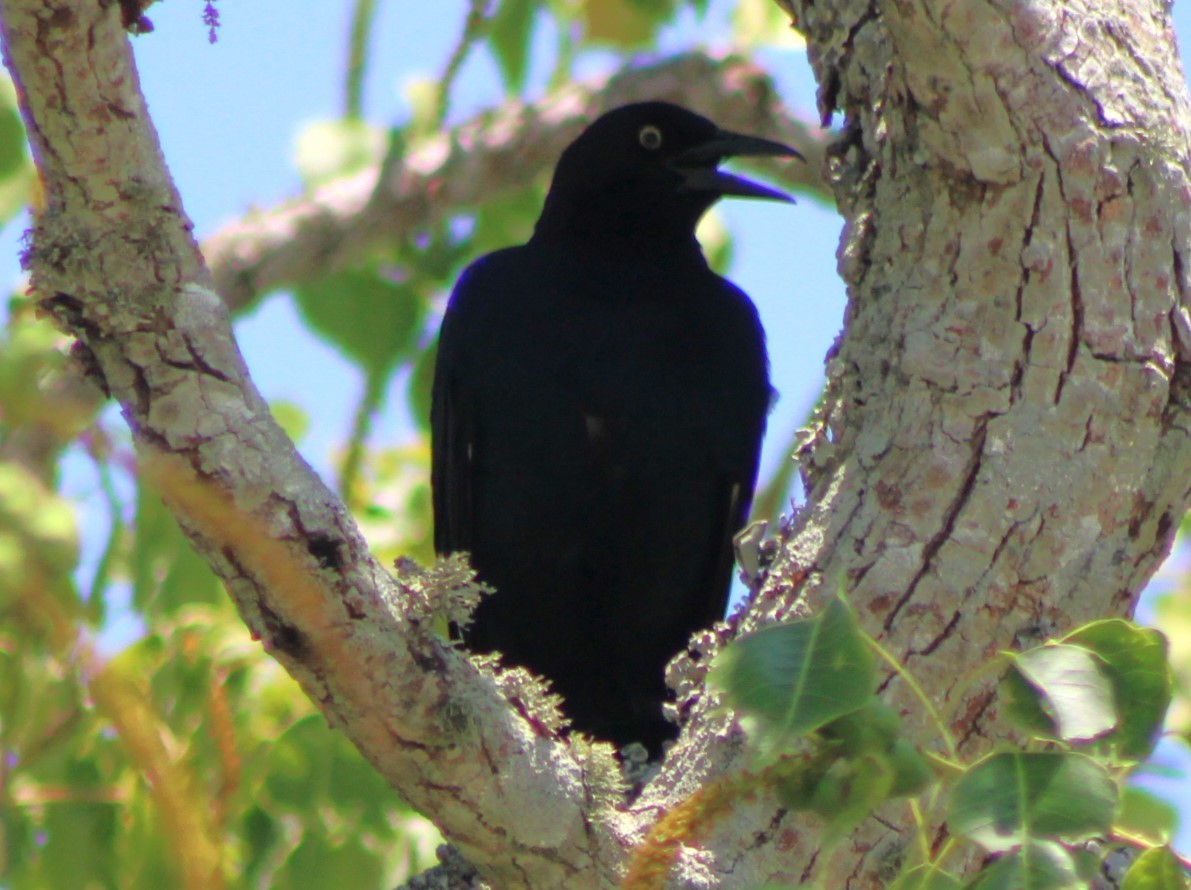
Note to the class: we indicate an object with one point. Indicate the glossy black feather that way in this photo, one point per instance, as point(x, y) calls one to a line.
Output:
point(599, 402)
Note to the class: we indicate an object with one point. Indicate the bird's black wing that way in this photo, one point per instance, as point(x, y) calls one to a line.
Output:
point(729, 509)
point(732, 509)
point(452, 451)
point(453, 435)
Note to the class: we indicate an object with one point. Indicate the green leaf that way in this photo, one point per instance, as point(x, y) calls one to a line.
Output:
point(79, 833)
point(291, 417)
point(423, 95)
point(311, 768)
point(926, 877)
point(624, 23)
point(320, 862)
point(19, 842)
point(1023, 706)
point(17, 176)
point(29, 349)
point(1007, 799)
point(370, 319)
point(1156, 869)
point(261, 833)
point(849, 791)
point(794, 678)
point(44, 522)
point(12, 130)
point(716, 241)
point(1146, 816)
point(911, 771)
point(1072, 689)
point(146, 858)
point(167, 574)
point(764, 23)
point(1040, 865)
point(38, 544)
point(1136, 662)
point(507, 218)
point(510, 35)
point(873, 727)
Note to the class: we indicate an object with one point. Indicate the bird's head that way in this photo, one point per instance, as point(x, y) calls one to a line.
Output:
point(651, 168)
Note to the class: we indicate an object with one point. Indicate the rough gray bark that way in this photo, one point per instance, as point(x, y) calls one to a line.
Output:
point(113, 259)
point(1003, 452)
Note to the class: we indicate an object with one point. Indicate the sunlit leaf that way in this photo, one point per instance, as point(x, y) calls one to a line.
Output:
point(1039, 865)
point(38, 547)
point(1135, 660)
point(926, 877)
point(326, 150)
point(764, 23)
point(793, 678)
point(30, 349)
point(291, 417)
point(1156, 869)
point(423, 95)
point(716, 241)
point(1024, 706)
point(1146, 816)
point(1072, 689)
point(17, 176)
point(623, 22)
point(1008, 798)
point(510, 35)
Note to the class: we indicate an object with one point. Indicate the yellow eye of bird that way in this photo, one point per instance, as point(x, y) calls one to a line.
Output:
point(650, 137)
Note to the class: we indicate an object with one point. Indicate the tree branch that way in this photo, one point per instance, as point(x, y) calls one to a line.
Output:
point(341, 223)
point(113, 260)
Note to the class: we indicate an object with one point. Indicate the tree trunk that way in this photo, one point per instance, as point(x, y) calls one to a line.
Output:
point(1003, 451)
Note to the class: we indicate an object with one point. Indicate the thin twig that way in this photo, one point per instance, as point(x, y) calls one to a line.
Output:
point(357, 57)
point(474, 28)
point(370, 400)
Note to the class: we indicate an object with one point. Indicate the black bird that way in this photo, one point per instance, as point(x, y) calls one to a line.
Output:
point(599, 401)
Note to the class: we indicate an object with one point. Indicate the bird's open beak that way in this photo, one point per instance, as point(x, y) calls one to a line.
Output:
point(697, 165)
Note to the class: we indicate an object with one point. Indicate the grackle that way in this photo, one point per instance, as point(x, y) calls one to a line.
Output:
point(599, 401)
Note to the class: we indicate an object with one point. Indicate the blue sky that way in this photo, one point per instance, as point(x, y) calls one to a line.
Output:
point(228, 114)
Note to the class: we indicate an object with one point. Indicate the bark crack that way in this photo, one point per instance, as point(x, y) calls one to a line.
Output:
point(947, 525)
